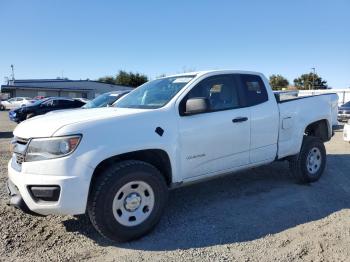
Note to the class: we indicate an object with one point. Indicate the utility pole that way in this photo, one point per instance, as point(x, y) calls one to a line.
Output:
point(13, 73)
point(313, 78)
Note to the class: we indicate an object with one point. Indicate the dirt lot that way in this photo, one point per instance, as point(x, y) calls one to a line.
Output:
point(257, 215)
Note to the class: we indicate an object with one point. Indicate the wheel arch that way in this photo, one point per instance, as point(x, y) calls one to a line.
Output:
point(320, 128)
point(156, 157)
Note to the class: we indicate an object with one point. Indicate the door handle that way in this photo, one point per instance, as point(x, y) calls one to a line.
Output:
point(239, 119)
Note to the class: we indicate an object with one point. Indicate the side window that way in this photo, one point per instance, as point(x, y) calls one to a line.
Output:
point(65, 103)
point(55, 103)
point(48, 103)
point(19, 99)
point(254, 89)
point(221, 91)
point(78, 103)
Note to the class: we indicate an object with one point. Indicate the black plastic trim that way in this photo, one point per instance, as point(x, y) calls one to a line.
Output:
point(47, 193)
point(302, 97)
point(17, 201)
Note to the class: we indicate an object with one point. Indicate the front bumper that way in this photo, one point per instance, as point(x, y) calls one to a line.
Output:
point(14, 119)
point(16, 199)
point(73, 195)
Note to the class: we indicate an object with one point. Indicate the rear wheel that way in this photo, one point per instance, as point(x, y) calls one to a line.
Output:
point(127, 200)
point(310, 163)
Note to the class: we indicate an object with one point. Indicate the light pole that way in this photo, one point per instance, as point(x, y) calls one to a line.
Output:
point(13, 73)
point(313, 77)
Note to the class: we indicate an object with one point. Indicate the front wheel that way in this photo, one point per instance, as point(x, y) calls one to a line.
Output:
point(309, 164)
point(127, 200)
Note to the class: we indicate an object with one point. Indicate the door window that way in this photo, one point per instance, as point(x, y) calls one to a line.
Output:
point(64, 103)
point(222, 93)
point(51, 103)
point(254, 89)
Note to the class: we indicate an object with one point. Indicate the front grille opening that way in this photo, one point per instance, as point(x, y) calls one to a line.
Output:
point(19, 156)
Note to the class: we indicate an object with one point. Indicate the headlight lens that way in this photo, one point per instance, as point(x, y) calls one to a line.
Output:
point(50, 148)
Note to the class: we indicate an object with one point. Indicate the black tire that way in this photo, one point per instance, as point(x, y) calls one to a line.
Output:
point(299, 163)
point(104, 190)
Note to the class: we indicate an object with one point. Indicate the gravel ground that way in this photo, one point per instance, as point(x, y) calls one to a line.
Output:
point(257, 215)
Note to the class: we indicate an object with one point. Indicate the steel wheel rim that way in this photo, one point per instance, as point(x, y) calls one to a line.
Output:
point(314, 160)
point(133, 203)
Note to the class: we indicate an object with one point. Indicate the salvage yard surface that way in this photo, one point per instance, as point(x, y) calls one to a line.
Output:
point(257, 215)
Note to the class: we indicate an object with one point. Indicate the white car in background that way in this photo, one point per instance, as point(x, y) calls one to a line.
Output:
point(346, 132)
point(17, 102)
point(2, 107)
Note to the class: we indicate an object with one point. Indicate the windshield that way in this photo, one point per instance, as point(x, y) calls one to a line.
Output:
point(37, 102)
point(347, 104)
point(102, 100)
point(154, 94)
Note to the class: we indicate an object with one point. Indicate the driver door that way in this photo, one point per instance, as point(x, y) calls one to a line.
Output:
point(217, 140)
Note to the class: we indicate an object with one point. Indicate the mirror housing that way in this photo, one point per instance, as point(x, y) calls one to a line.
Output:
point(196, 105)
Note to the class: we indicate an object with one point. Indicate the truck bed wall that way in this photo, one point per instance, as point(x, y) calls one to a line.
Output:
point(297, 114)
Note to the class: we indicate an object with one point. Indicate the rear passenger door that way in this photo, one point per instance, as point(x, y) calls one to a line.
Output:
point(264, 118)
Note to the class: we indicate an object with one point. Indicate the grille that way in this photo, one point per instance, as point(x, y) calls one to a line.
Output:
point(20, 154)
point(19, 158)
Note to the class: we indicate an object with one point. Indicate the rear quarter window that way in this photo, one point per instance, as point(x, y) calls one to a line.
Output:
point(254, 89)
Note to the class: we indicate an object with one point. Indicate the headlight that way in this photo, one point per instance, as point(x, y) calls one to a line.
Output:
point(49, 148)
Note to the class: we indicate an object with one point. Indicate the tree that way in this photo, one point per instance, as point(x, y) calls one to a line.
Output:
point(107, 80)
point(125, 78)
point(310, 81)
point(130, 79)
point(278, 82)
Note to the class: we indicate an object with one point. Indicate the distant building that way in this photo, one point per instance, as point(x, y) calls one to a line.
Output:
point(343, 94)
point(57, 87)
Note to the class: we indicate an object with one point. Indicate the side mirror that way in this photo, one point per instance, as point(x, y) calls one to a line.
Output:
point(196, 105)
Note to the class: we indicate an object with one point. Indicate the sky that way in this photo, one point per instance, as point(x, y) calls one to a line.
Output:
point(82, 39)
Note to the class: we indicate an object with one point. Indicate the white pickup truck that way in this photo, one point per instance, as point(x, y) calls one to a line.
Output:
point(116, 164)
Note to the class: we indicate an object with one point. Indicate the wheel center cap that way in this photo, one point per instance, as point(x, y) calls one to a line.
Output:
point(312, 160)
point(132, 202)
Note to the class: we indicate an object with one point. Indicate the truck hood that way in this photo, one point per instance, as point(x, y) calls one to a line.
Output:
point(47, 125)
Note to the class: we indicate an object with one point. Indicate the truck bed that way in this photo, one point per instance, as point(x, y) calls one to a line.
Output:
point(296, 113)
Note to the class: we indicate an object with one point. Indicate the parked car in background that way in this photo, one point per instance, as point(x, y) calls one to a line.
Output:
point(82, 99)
point(39, 97)
point(17, 102)
point(2, 107)
point(344, 112)
point(106, 99)
point(43, 106)
point(346, 132)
